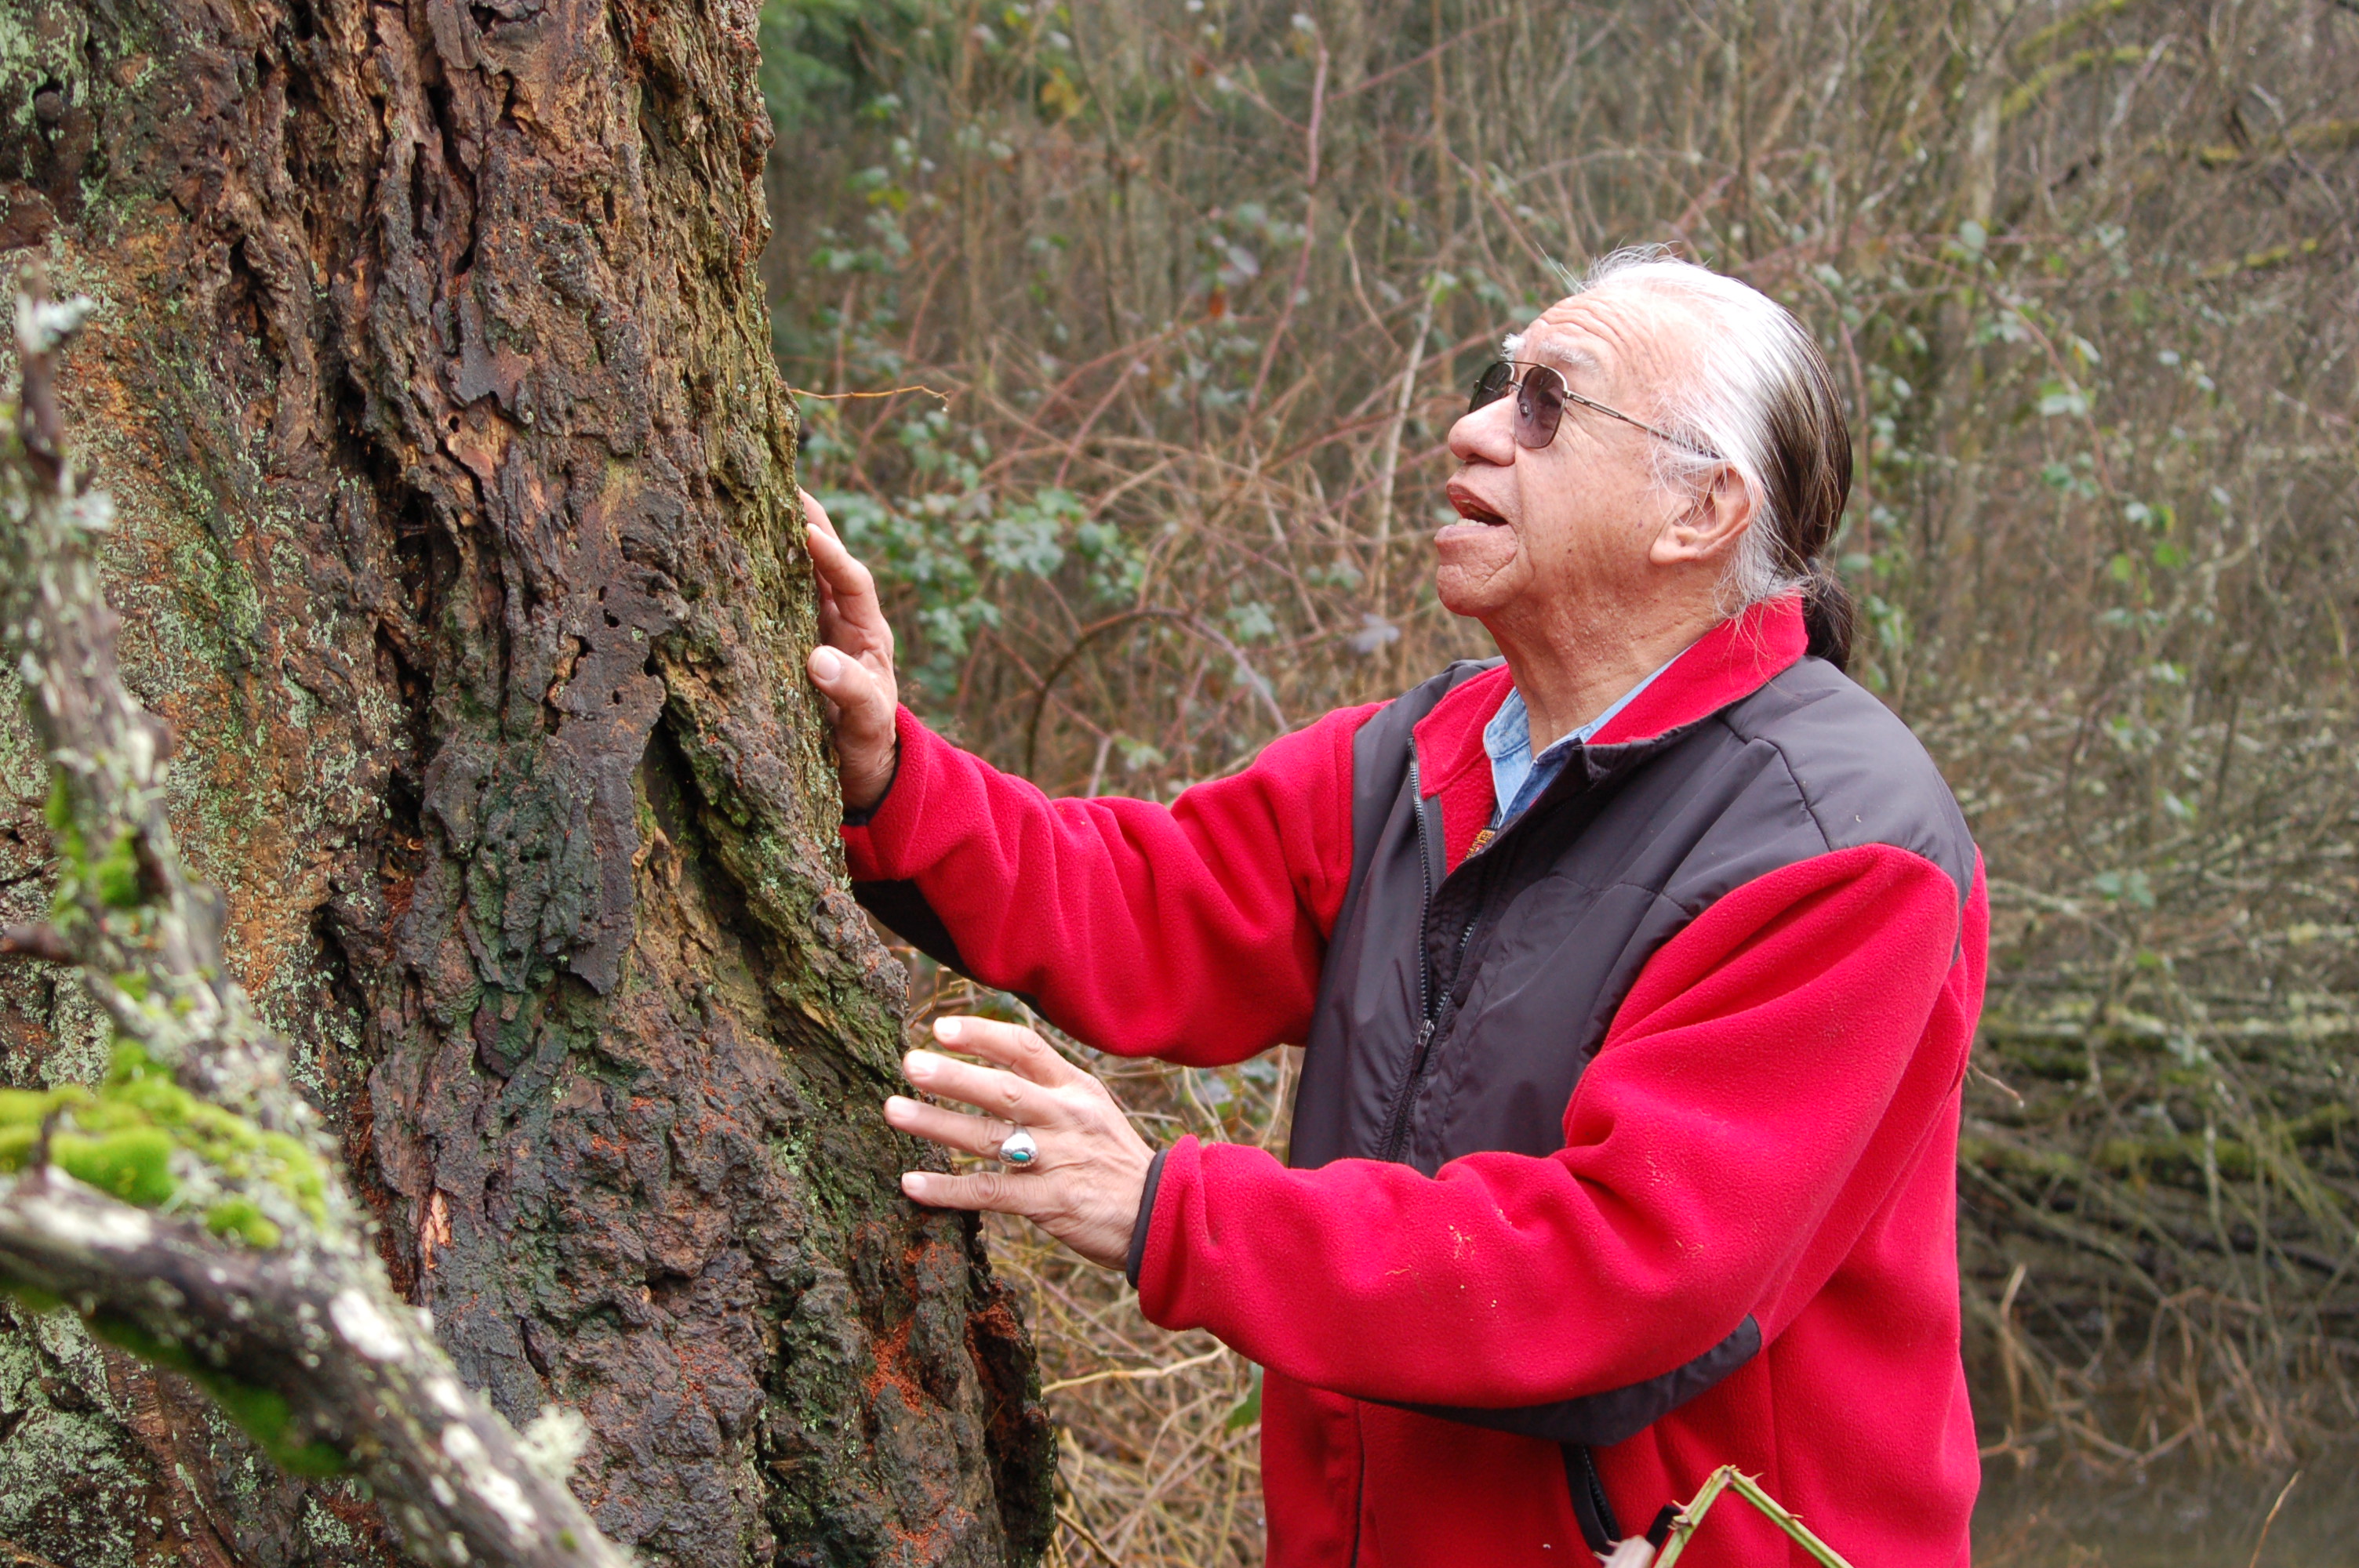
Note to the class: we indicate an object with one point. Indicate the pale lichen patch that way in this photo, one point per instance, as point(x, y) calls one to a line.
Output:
point(500, 1493)
point(504, 1497)
point(365, 1328)
point(554, 1441)
point(462, 1445)
point(98, 1226)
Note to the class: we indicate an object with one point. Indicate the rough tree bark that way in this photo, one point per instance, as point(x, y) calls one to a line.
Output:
point(191, 1208)
point(458, 546)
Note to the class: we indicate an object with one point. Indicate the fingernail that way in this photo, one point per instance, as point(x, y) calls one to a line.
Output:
point(949, 1028)
point(919, 1065)
point(913, 1184)
point(825, 663)
point(896, 1107)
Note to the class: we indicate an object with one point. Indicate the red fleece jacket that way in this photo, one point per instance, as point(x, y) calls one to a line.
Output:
point(1770, 1127)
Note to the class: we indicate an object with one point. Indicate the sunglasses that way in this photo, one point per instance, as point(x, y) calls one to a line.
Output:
point(1541, 397)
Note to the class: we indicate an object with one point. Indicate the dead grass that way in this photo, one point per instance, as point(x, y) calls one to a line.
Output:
point(1159, 1434)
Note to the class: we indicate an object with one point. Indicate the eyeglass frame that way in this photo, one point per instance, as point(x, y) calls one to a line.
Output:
point(1479, 400)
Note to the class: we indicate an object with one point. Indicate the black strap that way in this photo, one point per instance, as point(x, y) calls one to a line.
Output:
point(1599, 1528)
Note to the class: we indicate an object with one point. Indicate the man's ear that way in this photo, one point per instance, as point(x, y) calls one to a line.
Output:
point(1711, 527)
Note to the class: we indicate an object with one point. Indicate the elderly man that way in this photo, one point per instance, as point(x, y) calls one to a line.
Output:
point(1637, 970)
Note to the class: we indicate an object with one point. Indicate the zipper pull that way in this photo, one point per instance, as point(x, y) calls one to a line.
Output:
point(1424, 1035)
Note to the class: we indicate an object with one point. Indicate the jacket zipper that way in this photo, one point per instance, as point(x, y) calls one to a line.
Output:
point(1428, 1009)
point(1424, 912)
point(1396, 1139)
point(1397, 1134)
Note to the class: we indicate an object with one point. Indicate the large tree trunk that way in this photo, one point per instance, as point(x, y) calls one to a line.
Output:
point(459, 547)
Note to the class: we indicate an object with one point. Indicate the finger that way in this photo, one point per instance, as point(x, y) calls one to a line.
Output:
point(855, 617)
point(967, 1134)
point(815, 515)
point(833, 628)
point(840, 569)
point(1011, 1046)
point(851, 686)
point(987, 1088)
point(991, 1190)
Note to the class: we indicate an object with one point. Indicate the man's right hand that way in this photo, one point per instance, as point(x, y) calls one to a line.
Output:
point(852, 666)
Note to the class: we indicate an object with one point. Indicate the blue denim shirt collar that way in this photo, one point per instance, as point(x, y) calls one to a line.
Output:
point(1517, 776)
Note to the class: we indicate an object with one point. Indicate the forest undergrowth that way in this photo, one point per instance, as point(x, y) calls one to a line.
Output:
point(1128, 339)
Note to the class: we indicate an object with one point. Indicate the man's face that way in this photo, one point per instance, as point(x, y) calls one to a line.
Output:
point(1572, 521)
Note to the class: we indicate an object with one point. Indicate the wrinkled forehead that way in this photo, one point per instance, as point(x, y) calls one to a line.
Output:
point(1629, 341)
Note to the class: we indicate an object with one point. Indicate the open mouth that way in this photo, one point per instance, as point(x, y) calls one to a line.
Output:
point(1474, 511)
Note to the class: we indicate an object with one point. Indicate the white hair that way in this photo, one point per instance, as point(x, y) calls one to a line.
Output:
point(1757, 384)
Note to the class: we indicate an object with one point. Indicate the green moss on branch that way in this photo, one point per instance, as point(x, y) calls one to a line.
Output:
point(123, 1139)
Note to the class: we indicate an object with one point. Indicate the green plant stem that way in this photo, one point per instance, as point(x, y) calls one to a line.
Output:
point(1728, 1478)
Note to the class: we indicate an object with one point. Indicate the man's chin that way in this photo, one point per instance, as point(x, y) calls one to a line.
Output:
point(1470, 592)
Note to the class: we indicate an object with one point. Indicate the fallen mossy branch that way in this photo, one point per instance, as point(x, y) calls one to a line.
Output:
point(2170, 1168)
point(188, 1207)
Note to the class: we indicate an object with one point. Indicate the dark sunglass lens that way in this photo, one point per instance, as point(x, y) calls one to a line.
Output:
point(1489, 386)
point(1537, 409)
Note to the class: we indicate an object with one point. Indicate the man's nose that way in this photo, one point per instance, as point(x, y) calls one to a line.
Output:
point(1485, 435)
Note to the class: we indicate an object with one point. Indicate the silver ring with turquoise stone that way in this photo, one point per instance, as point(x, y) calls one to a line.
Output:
point(1018, 1148)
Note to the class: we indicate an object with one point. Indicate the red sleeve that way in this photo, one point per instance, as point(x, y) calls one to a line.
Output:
point(1192, 932)
point(1738, 1101)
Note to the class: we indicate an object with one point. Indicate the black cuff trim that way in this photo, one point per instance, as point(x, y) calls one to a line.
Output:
point(1146, 1220)
point(862, 819)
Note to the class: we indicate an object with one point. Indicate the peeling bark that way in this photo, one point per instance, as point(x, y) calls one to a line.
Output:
point(458, 546)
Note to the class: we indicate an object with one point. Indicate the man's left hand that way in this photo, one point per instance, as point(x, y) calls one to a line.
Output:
point(1082, 1186)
